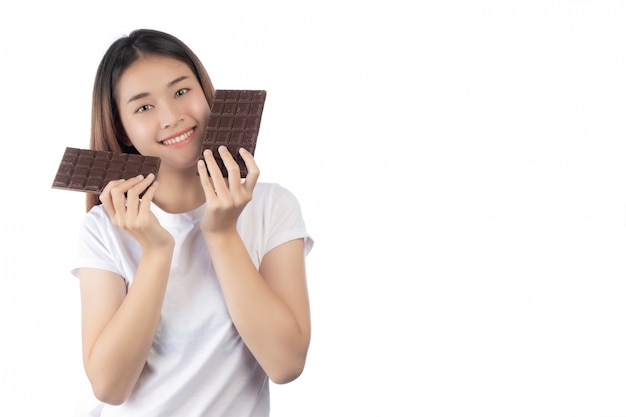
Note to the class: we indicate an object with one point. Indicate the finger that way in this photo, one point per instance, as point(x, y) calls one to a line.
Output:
point(106, 199)
point(217, 179)
point(232, 167)
point(205, 179)
point(144, 205)
point(134, 194)
point(118, 195)
point(211, 163)
point(253, 170)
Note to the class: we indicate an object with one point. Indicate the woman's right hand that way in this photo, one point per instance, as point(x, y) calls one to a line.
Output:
point(130, 212)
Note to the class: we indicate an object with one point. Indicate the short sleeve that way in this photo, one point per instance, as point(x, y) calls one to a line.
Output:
point(94, 247)
point(286, 221)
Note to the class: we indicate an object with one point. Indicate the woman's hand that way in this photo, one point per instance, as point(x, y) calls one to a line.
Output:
point(226, 198)
point(130, 211)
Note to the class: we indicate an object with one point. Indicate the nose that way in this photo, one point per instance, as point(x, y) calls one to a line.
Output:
point(169, 114)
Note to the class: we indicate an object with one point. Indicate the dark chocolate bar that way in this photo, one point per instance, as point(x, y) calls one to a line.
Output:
point(234, 122)
point(90, 171)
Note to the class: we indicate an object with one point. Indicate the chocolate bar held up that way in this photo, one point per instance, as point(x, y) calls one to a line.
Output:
point(90, 171)
point(234, 122)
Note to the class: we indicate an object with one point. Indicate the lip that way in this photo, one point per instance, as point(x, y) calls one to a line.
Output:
point(184, 138)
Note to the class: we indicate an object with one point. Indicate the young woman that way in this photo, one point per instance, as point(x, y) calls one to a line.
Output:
point(193, 286)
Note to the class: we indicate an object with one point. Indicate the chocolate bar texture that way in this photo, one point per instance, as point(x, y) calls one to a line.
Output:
point(234, 122)
point(90, 171)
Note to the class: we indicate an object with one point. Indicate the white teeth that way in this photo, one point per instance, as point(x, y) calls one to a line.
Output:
point(177, 138)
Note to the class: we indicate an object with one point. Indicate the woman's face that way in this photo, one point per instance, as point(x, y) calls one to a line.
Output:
point(163, 110)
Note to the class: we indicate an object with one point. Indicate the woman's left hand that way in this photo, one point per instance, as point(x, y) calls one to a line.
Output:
point(226, 198)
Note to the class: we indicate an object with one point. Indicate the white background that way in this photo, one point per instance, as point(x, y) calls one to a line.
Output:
point(460, 164)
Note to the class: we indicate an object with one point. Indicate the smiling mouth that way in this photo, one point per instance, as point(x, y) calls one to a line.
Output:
point(178, 138)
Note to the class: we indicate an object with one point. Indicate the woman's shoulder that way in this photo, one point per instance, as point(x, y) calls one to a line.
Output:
point(97, 214)
point(268, 188)
point(96, 221)
point(271, 192)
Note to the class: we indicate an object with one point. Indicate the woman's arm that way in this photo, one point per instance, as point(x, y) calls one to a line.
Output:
point(118, 328)
point(269, 307)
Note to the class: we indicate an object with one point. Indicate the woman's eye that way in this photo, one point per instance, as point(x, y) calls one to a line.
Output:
point(143, 108)
point(181, 92)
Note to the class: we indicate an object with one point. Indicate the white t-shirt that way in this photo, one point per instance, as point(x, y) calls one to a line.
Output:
point(198, 365)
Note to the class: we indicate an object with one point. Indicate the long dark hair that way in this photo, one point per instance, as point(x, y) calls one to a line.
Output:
point(107, 132)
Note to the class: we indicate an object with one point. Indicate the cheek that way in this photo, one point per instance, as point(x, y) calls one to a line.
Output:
point(199, 108)
point(137, 129)
point(203, 111)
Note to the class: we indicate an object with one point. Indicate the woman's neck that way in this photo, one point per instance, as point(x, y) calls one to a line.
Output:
point(179, 192)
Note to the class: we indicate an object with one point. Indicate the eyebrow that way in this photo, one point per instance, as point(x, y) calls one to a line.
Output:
point(170, 84)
